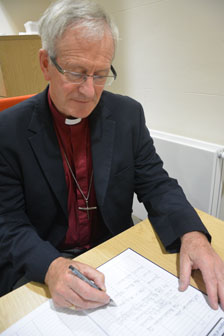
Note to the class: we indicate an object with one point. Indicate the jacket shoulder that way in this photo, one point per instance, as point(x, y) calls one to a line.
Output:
point(23, 108)
point(113, 100)
point(18, 117)
point(122, 108)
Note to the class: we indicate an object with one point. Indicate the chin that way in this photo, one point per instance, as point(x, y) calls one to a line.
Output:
point(80, 114)
point(79, 111)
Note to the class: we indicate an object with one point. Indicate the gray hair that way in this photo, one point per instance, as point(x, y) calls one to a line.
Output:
point(63, 14)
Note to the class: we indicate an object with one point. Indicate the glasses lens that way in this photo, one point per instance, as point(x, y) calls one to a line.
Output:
point(74, 77)
point(78, 78)
point(103, 80)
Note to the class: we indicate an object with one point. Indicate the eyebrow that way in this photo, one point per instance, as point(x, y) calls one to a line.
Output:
point(81, 68)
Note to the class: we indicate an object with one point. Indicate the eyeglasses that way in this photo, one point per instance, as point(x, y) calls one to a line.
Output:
point(79, 78)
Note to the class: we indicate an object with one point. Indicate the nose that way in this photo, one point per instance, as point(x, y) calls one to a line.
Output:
point(87, 88)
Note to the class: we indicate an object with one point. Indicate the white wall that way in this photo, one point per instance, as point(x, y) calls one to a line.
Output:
point(14, 13)
point(170, 58)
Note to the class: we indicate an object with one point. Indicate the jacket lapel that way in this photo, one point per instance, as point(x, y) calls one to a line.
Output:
point(102, 142)
point(44, 143)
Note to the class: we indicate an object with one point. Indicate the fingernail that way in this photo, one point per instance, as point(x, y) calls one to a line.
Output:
point(214, 306)
point(181, 286)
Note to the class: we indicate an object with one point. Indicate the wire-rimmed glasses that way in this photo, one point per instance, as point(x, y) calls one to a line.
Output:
point(79, 78)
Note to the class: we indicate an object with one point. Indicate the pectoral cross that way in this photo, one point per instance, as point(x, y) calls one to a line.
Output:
point(87, 208)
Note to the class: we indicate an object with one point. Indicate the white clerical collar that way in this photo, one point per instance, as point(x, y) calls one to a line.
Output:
point(72, 121)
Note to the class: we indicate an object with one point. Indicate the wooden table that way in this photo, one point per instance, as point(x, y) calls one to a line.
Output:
point(141, 238)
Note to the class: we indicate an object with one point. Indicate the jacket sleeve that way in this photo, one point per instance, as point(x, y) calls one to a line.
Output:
point(168, 209)
point(22, 251)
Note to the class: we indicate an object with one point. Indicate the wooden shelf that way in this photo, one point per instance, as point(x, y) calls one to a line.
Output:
point(19, 63)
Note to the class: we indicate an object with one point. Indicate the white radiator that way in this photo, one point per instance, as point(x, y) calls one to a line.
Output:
point(198, 167)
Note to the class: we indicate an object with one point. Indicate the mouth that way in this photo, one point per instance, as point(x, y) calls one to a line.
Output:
point(80, 101)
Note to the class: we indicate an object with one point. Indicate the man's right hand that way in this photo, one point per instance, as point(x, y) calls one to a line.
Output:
point(67, 290)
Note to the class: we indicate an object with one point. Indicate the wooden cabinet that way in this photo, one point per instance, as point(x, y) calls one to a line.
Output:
point(19, 62)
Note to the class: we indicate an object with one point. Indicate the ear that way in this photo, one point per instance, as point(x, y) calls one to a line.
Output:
point(44, 63)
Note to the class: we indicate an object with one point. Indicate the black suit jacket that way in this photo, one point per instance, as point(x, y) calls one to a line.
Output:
point(33, 191)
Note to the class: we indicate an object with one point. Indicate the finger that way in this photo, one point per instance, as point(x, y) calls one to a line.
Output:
point(94, 275)
point(211, 288)
point(81, 303)
point(76, 308)
point(85, 293)
point(185, 272)
point(220, 277)
point(60, 301)
point(208, 271)
point(212, 295)
point(72, 299)
point(221, 294)
point(66, 304)
point(89, 305)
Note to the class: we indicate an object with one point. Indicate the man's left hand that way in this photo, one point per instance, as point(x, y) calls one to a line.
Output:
point(197, 253)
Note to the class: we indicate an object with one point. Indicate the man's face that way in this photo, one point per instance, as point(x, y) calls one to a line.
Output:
point(83, 55)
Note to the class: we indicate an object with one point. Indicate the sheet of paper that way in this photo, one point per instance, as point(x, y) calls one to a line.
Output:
point(148, 303)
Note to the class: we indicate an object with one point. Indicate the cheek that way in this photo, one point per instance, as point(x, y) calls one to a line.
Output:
point(67, 89)
point(99, 91)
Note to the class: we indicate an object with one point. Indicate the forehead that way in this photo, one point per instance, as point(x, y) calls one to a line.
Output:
point(76, 43)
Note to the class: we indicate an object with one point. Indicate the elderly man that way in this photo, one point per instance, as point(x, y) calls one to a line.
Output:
point(71, 159)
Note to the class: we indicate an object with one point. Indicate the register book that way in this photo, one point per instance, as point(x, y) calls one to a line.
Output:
point(148, 303)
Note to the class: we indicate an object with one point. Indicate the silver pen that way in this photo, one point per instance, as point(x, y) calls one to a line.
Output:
point(81, 276)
